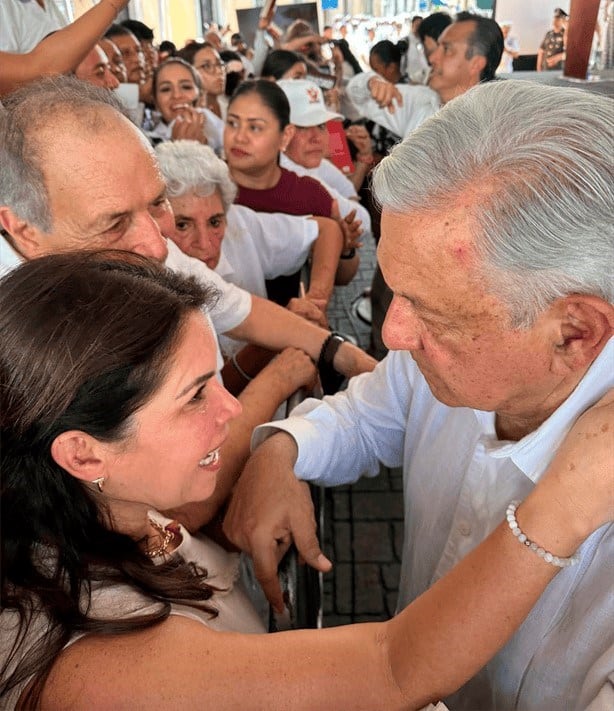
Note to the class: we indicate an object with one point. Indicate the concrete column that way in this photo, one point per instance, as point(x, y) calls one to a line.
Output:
point(580, 30)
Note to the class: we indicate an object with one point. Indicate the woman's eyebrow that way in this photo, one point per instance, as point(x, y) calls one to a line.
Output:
point(197, 381)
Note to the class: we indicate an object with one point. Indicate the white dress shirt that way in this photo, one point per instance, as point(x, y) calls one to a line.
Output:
point(419, 103)
point(458, 479)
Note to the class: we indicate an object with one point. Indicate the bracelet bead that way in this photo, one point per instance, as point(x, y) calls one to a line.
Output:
point(510, 516)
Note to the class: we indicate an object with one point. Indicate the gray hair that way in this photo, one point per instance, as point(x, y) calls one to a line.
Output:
point(540, 161)
point(28, 112)
point(188, 166)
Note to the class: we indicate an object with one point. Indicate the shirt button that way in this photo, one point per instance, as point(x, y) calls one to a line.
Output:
point(464, 528)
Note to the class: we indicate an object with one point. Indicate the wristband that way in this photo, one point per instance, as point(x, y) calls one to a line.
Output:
point(350, 254)
point(331, 380)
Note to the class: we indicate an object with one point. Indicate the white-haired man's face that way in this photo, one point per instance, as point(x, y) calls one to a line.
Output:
point(458, 333)
point(105, 191)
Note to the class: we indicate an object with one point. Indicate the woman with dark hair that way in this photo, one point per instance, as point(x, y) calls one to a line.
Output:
point(177, 89)
point(351, 66)
point(284, 64)
point(258, 130)
point(212, 71)
point(385, 59)
point(110, 412)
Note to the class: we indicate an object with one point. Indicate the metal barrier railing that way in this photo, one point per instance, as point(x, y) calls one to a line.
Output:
point(301, 584)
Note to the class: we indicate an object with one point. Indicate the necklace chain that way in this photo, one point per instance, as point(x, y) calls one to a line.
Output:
point(167, 535)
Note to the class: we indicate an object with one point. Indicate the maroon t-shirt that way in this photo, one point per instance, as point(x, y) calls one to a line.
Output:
point(294, 194)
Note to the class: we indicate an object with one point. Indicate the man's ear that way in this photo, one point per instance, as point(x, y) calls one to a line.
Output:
point(79, 454)
point(586, 323)
point(24, 237)
point(478, 64)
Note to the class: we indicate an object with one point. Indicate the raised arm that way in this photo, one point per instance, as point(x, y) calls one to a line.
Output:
point(427, 651)
point(62, 51)
point(324, 260)
point(276, 328)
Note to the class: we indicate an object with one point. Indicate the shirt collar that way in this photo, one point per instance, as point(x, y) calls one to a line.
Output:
point(9, 258)
point(533, 453)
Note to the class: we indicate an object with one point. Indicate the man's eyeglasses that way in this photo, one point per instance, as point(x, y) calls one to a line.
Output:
point(212, 67)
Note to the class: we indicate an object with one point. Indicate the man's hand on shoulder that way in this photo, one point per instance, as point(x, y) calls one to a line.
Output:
point(269, 508)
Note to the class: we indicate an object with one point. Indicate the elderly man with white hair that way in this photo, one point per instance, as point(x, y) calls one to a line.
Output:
point(498, 244)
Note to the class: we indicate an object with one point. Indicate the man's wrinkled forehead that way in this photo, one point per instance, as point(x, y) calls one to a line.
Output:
point(81, 152)
point(97, 126)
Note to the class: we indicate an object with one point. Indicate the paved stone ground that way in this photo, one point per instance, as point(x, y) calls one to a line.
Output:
point(363, 531)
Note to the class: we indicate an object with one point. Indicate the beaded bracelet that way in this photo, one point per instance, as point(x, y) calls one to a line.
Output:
point(510, 515)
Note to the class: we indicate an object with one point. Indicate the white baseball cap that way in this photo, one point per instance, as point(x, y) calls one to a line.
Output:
point(307, 107)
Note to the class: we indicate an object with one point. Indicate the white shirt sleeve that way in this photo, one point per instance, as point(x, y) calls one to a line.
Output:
point(336, 179)
point(419, 102)
point(344, 437)
point(234, 304)
point(282, 241)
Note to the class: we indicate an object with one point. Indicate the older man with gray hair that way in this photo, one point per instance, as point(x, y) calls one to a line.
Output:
point(498, 244)
point(76, 174)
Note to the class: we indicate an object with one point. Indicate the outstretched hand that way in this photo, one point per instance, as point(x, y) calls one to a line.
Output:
point(269, 509)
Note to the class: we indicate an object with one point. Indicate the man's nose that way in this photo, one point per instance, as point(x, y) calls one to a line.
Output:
point(148, 241)
point(402, 329)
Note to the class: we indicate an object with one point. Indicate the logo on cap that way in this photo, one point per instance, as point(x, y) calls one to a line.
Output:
point(313, 95)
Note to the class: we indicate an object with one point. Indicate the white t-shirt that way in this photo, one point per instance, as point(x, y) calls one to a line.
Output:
point(233, 306)
point(24, 23)
point(259, 246)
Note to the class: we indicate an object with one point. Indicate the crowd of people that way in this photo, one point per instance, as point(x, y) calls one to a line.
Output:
point(173, 225)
